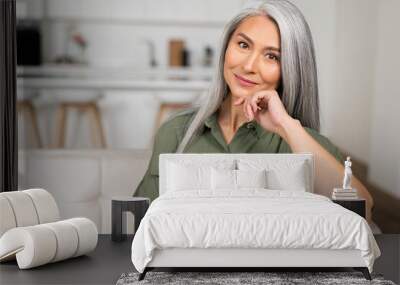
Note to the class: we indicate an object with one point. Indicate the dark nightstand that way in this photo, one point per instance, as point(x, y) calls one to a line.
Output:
point(136, 205)
point(357, 206)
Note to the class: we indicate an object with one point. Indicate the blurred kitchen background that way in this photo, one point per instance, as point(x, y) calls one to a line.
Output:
point(96, 78)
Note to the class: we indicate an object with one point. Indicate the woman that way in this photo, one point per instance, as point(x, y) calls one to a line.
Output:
point(263, 99)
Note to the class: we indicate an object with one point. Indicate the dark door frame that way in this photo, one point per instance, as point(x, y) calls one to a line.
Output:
point(8, 117)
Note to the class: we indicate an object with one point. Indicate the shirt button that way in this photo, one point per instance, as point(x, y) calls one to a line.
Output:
point(250, 125)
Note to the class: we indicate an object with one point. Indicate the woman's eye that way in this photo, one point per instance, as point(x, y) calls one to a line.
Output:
point(272, 56)
point(242, 45)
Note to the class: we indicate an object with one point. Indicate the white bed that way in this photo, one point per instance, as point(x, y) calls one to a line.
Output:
point(201, 223)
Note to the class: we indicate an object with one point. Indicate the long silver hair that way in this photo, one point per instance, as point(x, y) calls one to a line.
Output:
point(298, 88)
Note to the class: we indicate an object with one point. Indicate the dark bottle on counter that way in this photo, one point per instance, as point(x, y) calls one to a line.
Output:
point(208, 56)
point(185, 57)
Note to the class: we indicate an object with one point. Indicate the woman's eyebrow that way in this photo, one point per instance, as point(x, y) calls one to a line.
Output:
point(266, 48)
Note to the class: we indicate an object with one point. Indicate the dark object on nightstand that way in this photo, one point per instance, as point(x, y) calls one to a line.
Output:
point(357, 206)
point(136, 205)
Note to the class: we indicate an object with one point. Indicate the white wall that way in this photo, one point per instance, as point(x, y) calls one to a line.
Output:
point(385, 122)
point(350, 118)
point(30, 9)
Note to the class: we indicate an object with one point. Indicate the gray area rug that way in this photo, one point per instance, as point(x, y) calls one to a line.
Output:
point(229, 278)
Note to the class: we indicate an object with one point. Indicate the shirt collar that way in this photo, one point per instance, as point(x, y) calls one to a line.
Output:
point(211, 122)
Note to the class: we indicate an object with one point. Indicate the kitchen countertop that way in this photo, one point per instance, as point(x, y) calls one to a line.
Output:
point(112, 84)
point(113, 78)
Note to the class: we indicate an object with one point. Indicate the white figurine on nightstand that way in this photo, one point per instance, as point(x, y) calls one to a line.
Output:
point(347, 174)
point(346, 192)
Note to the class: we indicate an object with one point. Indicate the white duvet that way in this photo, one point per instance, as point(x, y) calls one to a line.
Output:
point(251, 218)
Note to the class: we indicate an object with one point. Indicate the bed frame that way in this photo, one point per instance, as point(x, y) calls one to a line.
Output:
point(237, 259)
point(248, 259)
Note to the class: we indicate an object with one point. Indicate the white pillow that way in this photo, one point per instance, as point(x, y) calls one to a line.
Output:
point(288, 178)
point(181, 177)
point(283, 174)
point(223, 179)
point(184, 175)
point(236, 179)
point(251, 178)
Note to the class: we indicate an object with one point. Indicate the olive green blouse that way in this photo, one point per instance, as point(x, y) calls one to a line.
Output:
point(249, 138)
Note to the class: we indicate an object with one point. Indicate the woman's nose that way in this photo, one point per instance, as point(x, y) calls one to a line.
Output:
point(250, 65)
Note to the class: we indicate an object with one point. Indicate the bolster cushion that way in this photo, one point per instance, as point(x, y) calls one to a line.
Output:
point(40, 244)
point(27, 208)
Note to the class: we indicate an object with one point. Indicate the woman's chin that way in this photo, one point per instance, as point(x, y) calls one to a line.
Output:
point(240, 93)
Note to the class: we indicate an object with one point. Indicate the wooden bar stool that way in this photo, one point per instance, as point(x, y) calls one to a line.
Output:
point(91, 108)
point(25, 107)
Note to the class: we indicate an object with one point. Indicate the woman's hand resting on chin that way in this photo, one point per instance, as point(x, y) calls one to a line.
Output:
point(267, 109)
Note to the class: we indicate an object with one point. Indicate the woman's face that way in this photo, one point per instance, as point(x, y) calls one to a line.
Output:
point(252, 58)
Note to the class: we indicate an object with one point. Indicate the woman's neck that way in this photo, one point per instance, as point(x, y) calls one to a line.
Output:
point(230, 116)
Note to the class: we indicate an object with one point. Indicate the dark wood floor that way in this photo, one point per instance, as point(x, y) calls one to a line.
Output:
point(110, 260)
point(102, 266)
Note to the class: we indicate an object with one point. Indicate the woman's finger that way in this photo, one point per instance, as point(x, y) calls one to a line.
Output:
point(255, 102)
point(254, 106)
point(257, 116)
point(264, 95)
point(251, 114)
point(245, 111)
point(257, 97)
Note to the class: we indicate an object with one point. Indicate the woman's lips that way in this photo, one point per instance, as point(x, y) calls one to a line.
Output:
point(244, 82)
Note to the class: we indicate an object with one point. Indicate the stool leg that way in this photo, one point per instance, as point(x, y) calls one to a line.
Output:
point(93, 133)
point(94, 110)
point(32, 114)
point(25, 106)
point(61, 125)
